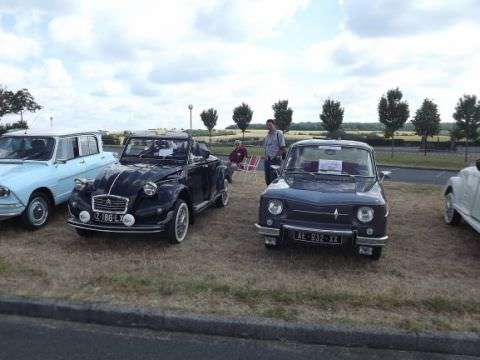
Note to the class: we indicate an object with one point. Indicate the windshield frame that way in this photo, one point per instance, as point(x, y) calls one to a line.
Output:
point(285, 171)
point(48, 137)
point(147, 159)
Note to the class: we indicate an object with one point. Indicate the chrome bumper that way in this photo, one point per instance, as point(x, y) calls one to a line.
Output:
point(359, 240)
point(268, 231)
point(370, 241)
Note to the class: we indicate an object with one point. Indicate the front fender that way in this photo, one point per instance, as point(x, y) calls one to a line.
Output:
point(454, 184)
point(221, 174)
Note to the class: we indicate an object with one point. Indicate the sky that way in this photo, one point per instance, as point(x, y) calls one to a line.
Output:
point(124, 64)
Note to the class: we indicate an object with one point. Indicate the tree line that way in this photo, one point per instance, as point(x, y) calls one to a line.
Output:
point(393, 113)
point(16, 102)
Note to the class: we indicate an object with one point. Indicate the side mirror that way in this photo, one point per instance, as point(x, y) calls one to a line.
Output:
point(205, 154)
point(276, 169)
point(477, 164)
point(384, 174)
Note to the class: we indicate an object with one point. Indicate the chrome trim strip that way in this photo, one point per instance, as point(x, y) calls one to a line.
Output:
point(113, 183)
point(320, 231)
point(112, 229)
point(369, 241)
point(263, 230)
point(320, 213)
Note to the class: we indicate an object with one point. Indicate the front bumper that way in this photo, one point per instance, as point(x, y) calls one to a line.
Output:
point(8, 211)
point(120, 228)
point(357, 240)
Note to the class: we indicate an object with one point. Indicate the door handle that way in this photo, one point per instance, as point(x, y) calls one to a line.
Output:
point(205, 166)
point(82, 162)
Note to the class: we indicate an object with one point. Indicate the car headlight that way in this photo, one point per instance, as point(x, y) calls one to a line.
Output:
point(275, 207)
point(4, 192)
point(81, 184)
point(150, 188)
point(365, 214)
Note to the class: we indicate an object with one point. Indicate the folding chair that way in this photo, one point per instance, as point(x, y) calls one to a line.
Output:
point(250, 167)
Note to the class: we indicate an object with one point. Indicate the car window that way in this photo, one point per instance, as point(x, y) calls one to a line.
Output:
point(26, 148)
point(334, 159)
point(88, 145)
point(68, 148)
point(155, 148)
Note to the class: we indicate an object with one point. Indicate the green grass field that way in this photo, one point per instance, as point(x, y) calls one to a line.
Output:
point(416, 159)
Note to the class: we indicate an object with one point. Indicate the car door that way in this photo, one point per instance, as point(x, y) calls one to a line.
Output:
point(89, 150)
point(198, 176)
point(470, 183)
point(474, 206)
point(69, 166)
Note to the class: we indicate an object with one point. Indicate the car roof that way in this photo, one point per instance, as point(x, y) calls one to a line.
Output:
point(332, 142)
point(48, 132)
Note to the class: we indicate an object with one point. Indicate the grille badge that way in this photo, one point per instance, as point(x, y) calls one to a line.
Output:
point(335, 214)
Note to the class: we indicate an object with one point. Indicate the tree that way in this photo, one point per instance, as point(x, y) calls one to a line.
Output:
point(209, 118)
point(467, 116)
point(5, 101)
point(331, 116)
point(455, 134)
point(22, 101)
point(282, 114)
point(242, 115)
point(427, 121)
point(393, 113)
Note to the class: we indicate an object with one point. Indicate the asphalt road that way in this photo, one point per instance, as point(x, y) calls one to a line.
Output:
point(29, 338)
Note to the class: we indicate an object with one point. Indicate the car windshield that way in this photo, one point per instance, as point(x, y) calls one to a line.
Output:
point(26, 148)
point(156, 149)
point(335, 160)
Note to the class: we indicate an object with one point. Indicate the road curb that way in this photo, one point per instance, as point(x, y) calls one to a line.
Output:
point(243, 327)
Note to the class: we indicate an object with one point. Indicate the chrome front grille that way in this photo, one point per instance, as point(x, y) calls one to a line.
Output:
point(111, 204)
point(326, 215)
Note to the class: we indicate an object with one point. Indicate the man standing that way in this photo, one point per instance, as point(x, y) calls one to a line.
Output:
point(274, 148)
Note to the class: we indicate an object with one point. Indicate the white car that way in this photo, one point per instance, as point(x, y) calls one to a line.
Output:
point(462, 197)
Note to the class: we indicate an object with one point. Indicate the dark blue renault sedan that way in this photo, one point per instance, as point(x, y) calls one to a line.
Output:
point(328, 192)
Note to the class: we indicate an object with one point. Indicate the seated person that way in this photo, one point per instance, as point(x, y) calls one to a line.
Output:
point(37, 151)
point(238, 154)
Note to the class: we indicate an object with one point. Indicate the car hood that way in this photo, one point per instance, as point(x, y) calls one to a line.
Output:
point(15, 173)
point(327, 192)
point(128, 180)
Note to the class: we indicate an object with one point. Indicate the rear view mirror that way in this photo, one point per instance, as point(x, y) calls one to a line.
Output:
point(384, 174)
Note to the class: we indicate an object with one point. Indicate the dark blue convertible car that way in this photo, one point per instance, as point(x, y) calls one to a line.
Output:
point(328, 192)
point(159, 184)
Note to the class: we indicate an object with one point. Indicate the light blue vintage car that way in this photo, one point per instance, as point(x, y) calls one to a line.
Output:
point(38, 169)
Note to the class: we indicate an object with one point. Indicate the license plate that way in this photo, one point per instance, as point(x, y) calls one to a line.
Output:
point(317, 238)
point(107, 218)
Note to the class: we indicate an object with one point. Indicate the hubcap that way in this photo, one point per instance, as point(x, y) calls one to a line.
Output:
point(181, 222)
point(226, 192)
point(38, 211)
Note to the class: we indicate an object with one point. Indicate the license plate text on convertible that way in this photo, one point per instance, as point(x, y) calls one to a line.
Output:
point(317, 238)
point(107, 218)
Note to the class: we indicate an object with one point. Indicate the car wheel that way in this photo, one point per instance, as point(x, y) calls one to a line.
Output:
point(450, 215)
point(38, 210)
point(177, 228)
point(222, 201)
point(84, 233)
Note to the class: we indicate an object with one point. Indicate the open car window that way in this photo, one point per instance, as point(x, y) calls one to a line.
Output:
point(330, 160)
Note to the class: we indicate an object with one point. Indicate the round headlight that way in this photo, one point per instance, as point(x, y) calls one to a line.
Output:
point(275, 207)
point(80, 184)
point(4, 192)
point(150, 188)
point(365, 214)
